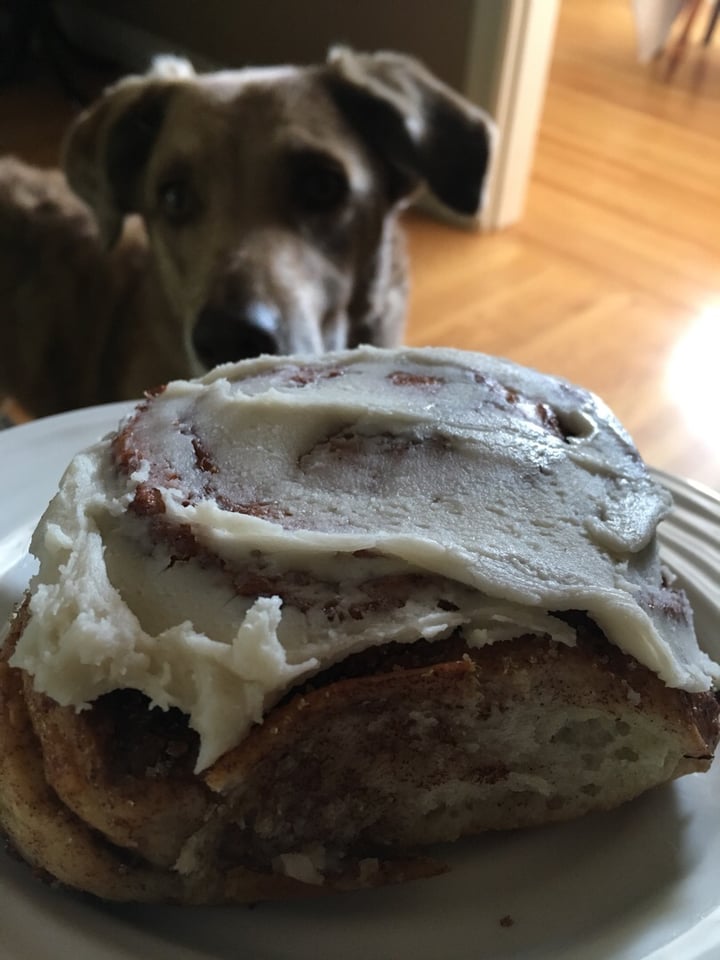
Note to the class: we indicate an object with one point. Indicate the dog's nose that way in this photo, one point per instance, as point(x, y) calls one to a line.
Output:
point(222, 335)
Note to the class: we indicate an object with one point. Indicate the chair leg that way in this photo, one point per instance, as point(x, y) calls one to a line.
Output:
point(712, 23)
point(675, 54)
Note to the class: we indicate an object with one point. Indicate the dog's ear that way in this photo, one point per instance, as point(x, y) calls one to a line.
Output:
point(424, 130)
point(108, 146)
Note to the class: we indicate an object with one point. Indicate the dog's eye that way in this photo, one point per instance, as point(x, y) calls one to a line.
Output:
point(176, 201)
point(319, 186)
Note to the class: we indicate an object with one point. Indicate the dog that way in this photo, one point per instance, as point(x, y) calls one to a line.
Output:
point(208, 218)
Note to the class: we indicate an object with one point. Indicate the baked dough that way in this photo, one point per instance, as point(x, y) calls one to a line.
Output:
point(300, 619)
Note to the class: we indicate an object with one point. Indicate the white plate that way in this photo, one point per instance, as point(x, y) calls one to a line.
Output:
point(640, 883)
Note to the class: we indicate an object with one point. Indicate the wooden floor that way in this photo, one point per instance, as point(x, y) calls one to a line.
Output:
point(612, 278)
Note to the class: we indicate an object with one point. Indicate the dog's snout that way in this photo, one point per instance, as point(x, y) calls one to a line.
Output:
point(222, 335)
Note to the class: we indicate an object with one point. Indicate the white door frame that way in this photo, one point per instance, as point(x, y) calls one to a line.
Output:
point(523, 63)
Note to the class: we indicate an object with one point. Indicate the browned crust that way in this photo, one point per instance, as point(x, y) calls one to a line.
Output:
point(62, 848)
point(591, 672)
point(70, 783)
point(40, 828)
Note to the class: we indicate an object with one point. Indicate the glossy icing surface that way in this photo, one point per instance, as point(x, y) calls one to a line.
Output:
point(243, 531)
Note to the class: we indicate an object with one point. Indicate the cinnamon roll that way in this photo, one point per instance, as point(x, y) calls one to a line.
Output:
point(298, 620)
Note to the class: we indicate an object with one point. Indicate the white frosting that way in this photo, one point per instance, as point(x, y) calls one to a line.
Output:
point(429, 475)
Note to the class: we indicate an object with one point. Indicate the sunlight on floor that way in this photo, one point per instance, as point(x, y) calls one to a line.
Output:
point(692, 374)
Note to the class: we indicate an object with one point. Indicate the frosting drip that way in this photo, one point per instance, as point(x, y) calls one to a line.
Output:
point(243, 531)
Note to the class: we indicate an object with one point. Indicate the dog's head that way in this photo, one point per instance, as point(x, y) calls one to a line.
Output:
point(269, 195)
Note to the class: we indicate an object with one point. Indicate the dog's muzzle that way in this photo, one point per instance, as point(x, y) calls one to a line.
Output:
point(224, 335)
